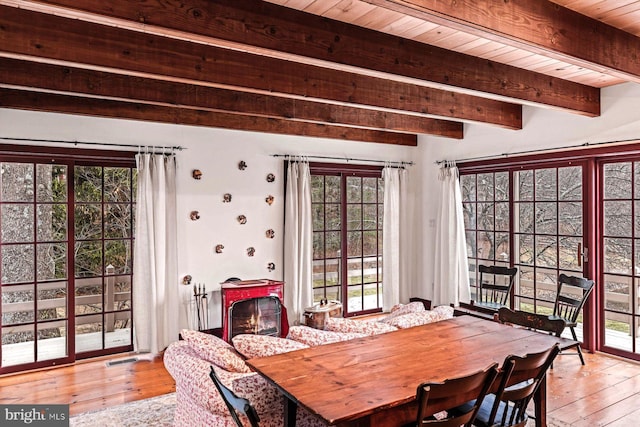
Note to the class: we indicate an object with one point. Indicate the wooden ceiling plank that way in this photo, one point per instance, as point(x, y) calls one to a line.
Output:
point(536, 25)
point(85, 44)
point(14, 72)
point(51, 102)
point(271, 26)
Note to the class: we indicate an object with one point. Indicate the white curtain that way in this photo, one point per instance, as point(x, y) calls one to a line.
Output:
point(451, 273)
point(155, 277)
point(395, 254)
point(298, 244)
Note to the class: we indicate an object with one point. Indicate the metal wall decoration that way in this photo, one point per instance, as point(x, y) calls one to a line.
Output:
point(270, 234)
point(242, 165)
point(242, 219)
point(269, 199)
point(219, 248)
point(194, 215)
point(251, 251)
point(186, 280)
point(271, 177)
point(271, 266)
point(196, 174)
point(226, 198)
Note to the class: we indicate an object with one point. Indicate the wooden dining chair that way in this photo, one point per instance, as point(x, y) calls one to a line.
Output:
point(237, 405)
point(496, 285)
point(520, 378)
point(572, 294)
point(533, 321)
point(432, 398)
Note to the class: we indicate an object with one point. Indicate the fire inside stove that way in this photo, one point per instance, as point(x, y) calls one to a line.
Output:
point(259, 316)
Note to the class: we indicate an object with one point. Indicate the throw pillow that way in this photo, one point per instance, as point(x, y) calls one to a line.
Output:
point(413, 319)
point(250, 345)
point(402, 309)
point(215, 350)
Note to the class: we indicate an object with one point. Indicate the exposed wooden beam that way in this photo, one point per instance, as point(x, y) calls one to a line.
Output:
point(52, 102)
point(270, 26)
point(58, 78)
point(539, 26)
point(83, 44)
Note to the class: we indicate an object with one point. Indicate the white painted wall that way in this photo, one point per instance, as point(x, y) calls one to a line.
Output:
point(542, 129)
point(217, 154)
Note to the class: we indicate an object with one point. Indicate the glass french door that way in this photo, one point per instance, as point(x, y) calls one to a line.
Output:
point(620, 261)
point(548, 207)
point(66, 236)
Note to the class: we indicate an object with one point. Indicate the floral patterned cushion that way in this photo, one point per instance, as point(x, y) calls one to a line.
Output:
point(313, 337)
point(250, 345)
point(215, 350)
point(367, 327)
point(444, 312)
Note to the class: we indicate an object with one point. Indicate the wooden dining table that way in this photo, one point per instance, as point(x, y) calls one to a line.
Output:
point(372, 381)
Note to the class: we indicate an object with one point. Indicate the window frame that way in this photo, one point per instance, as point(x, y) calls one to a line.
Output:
point(345, 171)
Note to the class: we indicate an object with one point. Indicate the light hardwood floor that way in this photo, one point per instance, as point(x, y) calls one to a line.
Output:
point(605, 392)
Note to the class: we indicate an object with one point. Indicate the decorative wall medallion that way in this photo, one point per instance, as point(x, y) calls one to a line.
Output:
point(194, 215)
point(186, 280)
point(226, 198)
point(242, 165)
point(242, 219)
point(219, 249)
point(270, 234)
point(271, 177)
point(271, 266)
point(269, 199)
point(251, 251)
point(196, 174)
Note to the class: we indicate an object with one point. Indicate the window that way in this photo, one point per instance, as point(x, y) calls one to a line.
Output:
point(66, 258)
point(347, 236)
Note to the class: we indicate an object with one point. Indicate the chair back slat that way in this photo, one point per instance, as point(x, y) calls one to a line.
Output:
point(534, 321)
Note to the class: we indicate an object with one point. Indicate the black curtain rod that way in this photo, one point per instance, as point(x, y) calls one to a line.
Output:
point(141, 148)
point(347, 159)
point(541, 150)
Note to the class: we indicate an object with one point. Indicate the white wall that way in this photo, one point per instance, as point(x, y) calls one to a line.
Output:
point(217, 154)
point(542, 129)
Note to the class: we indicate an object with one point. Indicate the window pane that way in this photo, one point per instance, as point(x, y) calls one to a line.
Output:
point(318, 216)
point(525, 216)
point(525, 185)
point(117, 184)
point(546, 184)
point(502, 186)
point(52, 300)
point(88, 259)
point(485, 216)
point(617, 218)
point(88, 183)
point(370, 242)
point(88, 295)
point(502, 216)
point(317, 189)
point(570, 214)
point(485, 245)
point(318, 245)
point(369, 190)
point(546, 251)
point(526, 249)
point(485, 187)
point(502, 247)
point(332, 216)
point(354, 217)
point(569, 256)
point(17, 223)
point(17, 263)
point(52, 183)
point(570, 183)
point(468, 185)
point(52, 261)
point(88, 219)
point(332, 189)
point(471, 244)
point(52, 222)
point(354, 243)
point(617, 181)
point(370, 217)
point(546, 218)
point(469, 211)
point(14, 311)
point(354, 189)
point(52, 341)
point(333, 244)
point(117, 257)
point(17, 182)
point(617, 256)
point(117, 221)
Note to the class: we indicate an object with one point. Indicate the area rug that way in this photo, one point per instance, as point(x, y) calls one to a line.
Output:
point(156, 411)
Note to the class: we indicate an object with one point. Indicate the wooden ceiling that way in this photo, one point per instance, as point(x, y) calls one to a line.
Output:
point(363, 70)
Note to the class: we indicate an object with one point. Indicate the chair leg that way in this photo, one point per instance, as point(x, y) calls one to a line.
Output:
point(579, 347)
